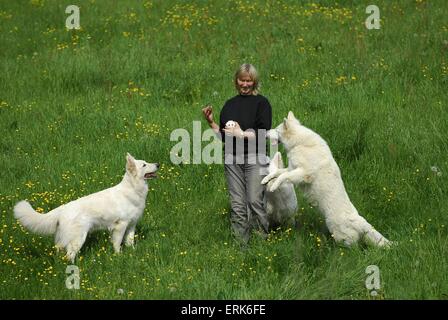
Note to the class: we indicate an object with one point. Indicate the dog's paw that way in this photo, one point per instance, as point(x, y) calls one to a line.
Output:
point(266, 179)
point(129, 241)
point(274, 186)
point(388, 244)
point(70, 256)
point(129, 244)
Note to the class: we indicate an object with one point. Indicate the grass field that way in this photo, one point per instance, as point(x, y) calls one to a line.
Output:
point(73, 102)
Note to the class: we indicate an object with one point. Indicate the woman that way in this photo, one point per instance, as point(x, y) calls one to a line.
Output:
point(250, 116)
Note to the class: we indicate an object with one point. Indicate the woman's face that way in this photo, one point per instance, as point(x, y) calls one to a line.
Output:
point(245, 84)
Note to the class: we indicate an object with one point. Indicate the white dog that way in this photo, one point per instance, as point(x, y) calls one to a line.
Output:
point(117, 209)
point(312, 167)
point(281, 204)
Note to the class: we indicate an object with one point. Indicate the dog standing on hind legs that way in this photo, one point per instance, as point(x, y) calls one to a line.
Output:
point(117, 209)
point(313, 168)
point(281, 204)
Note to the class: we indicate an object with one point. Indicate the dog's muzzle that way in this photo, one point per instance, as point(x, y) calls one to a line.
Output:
point(273, 136)
point(152, 175)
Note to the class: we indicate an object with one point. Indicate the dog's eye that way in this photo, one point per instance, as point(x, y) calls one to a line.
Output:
point(144, 164)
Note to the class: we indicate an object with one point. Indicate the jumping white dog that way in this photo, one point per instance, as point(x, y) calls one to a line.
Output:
point(118, 209)
point(281, 204)
point(312, 167)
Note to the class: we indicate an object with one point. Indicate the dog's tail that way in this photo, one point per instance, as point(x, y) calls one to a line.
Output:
point(44, 224)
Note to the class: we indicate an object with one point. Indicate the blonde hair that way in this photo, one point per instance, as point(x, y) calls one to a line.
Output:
point(253, 74)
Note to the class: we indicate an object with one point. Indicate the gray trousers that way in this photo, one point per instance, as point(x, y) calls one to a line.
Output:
point(247, 199)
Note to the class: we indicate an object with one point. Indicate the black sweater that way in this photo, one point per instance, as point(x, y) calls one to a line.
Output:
point(251, 112)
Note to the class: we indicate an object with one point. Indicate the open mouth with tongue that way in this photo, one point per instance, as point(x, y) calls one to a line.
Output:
point(150, 175)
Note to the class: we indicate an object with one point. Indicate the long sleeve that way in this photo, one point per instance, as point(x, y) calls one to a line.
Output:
point(264, 115)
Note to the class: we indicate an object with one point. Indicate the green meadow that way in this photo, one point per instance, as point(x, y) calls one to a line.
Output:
point(73, 102)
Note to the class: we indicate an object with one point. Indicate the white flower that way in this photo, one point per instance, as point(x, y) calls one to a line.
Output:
point(436, 170)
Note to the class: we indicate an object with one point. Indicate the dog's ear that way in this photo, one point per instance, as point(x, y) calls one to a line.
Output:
point(285, 123)
point(128, 155)
point(291, 116)
point(273, 165)
point(278, 160)
point(130, 164)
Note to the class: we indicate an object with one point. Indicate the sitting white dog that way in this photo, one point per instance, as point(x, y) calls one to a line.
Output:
point(312, 167)
point(117, 209)
point(281, 204)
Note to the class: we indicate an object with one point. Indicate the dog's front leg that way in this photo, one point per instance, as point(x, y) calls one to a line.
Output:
point(295, 176)
point(273, 175)
point(117, 234)
point(129, 236)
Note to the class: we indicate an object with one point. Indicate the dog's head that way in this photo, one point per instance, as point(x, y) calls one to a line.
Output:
point(141, 169)
point(284, 131)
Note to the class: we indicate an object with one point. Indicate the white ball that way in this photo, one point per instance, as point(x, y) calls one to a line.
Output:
point(230, 124)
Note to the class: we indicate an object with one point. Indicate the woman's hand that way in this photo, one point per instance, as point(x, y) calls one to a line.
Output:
point(208, 114)
point(235, 131)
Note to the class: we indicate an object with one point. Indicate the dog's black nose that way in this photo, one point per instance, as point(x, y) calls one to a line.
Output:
point(157, 165)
